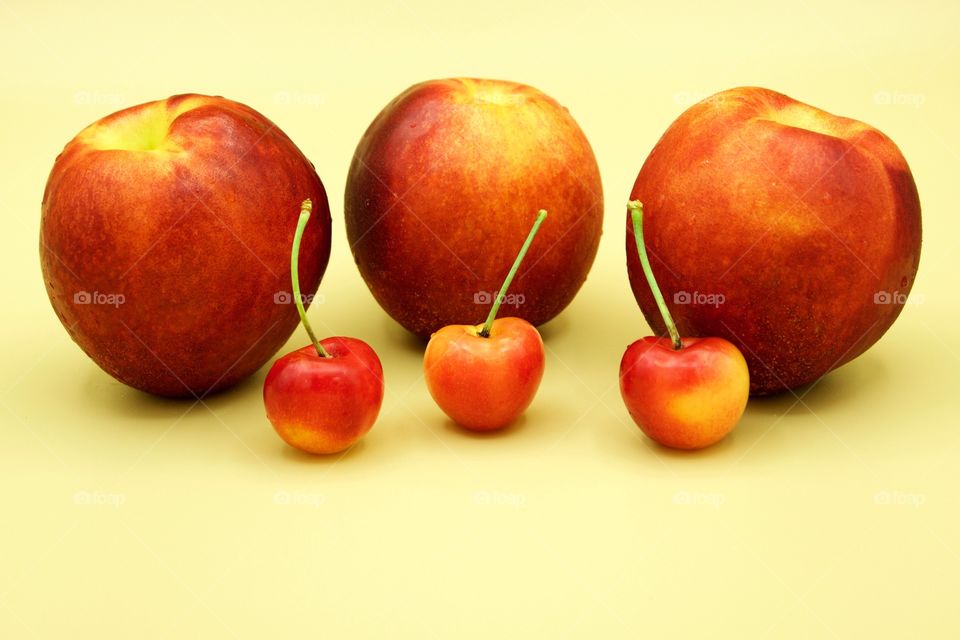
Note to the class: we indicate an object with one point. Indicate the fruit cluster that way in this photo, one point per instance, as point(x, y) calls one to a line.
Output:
point(786, 239)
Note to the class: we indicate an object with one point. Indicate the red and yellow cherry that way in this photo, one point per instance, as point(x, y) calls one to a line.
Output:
point(484, 376)
point(326, 396)
point(684, 393)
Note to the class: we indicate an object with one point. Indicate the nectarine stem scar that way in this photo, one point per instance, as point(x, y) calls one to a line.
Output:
point(305, 209)
point(636, 215)
point(485, 332)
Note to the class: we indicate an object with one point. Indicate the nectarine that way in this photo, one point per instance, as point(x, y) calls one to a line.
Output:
point(440, 192)
point(791, 232)
point(165, 238)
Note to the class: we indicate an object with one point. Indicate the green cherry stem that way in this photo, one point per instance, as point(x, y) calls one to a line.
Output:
point(485, 332)
point(636, 214)
point(305, 210)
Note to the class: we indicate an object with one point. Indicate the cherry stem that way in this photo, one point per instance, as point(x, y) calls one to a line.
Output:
point(636, 214)
point(305, 210)
point(502, 294)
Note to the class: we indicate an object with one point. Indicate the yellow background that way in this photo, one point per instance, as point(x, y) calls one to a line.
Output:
point(833, 515)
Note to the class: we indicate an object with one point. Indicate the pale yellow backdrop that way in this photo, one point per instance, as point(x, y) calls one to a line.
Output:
point(832, 515)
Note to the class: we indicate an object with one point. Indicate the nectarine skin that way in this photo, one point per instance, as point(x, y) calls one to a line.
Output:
point(441, 192)
point(781, 228)
point(184, 210)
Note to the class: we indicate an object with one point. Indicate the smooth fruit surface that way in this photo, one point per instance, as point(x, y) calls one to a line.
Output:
point(165, 239)
point(791, 232)
point(685, 399)
point(440, 193)
point(324, 405)
point(484, 383)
